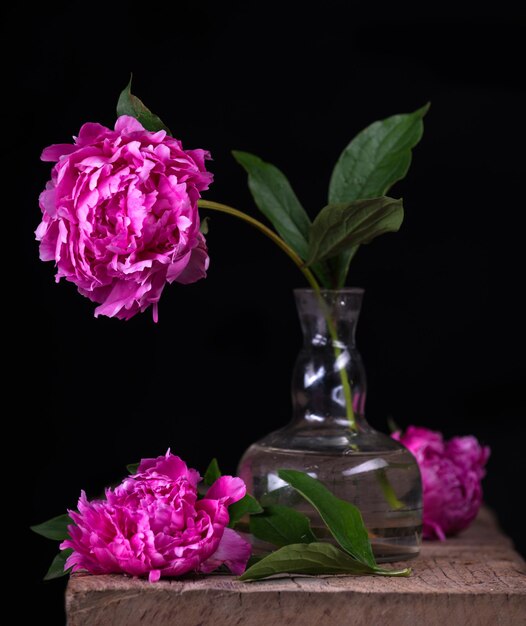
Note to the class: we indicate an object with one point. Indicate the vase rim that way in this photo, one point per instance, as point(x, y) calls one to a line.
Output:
point(345, 290)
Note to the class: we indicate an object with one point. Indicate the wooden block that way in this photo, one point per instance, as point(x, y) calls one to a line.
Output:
point(471, 580)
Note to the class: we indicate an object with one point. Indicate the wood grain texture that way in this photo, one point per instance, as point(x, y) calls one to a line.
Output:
point(472, 580)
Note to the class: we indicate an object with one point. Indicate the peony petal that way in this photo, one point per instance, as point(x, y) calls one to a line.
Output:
point(154, 575)
point(233, 551)
point(127, 124)
point(169, 465)
point(91, 132)
point(176, 269)
point(57, 150)
point(227, 489)
point(197, 264)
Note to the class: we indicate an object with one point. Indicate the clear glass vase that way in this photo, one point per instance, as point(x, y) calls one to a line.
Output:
point(334, 444)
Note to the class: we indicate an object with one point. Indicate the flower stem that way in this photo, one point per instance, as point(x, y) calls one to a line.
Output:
point(224, 208)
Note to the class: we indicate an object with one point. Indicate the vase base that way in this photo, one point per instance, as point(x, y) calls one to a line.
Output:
point(384, 485)
point(384, 552)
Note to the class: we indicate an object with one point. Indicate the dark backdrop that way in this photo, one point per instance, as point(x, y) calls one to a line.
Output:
point(442, 321)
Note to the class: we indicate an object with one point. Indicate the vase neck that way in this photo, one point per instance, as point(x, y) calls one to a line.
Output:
point(318, 310)
point(328, 321)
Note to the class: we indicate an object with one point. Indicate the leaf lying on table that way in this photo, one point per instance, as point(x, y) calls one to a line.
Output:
point(342, 518)
point(313, 558)
point(282, 526)
point(56, 569)
point(55, 528)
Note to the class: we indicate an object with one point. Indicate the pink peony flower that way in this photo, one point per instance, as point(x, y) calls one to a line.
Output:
point(153, 523)
point(120, 215)
point(451, 475)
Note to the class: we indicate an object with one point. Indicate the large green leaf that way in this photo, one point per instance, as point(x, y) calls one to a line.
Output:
point(376, 158)
point(56, 569)
point(343, 519)
point(128, 104)
point(248, 505)
point(282, 526)
point(55, 528)
point(339, 227)
point(313, 558)
point(276, 199)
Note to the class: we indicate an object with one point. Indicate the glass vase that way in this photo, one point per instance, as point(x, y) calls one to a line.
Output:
point(334, 443)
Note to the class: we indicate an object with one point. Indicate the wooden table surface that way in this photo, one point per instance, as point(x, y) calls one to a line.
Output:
point(474, 579)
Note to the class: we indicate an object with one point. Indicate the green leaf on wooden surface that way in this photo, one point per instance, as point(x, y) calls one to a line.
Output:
point(376, 158)
point(212, 473)
point(342, 518)
point(253, 560)
point(314, 559)
point(128, 104)
point(56, 569)
point(248, 505)
point(55, 528)
point(281, 526)
point(339, 227)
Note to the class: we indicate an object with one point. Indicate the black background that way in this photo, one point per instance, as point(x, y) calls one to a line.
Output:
point(442, 323)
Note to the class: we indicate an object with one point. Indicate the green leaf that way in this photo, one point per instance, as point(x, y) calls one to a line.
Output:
point(212, 473)
point(56, 569)
point(343, 519)
point(339, 266)
point(276, 199)
point(55, 528)
point(253, 560)
point(128, 104)
point(203, 228)
point(339, 227)
point(282, 526)
point(247, 505)
point(132, 468)
point(313, 558)
point(376, 158)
